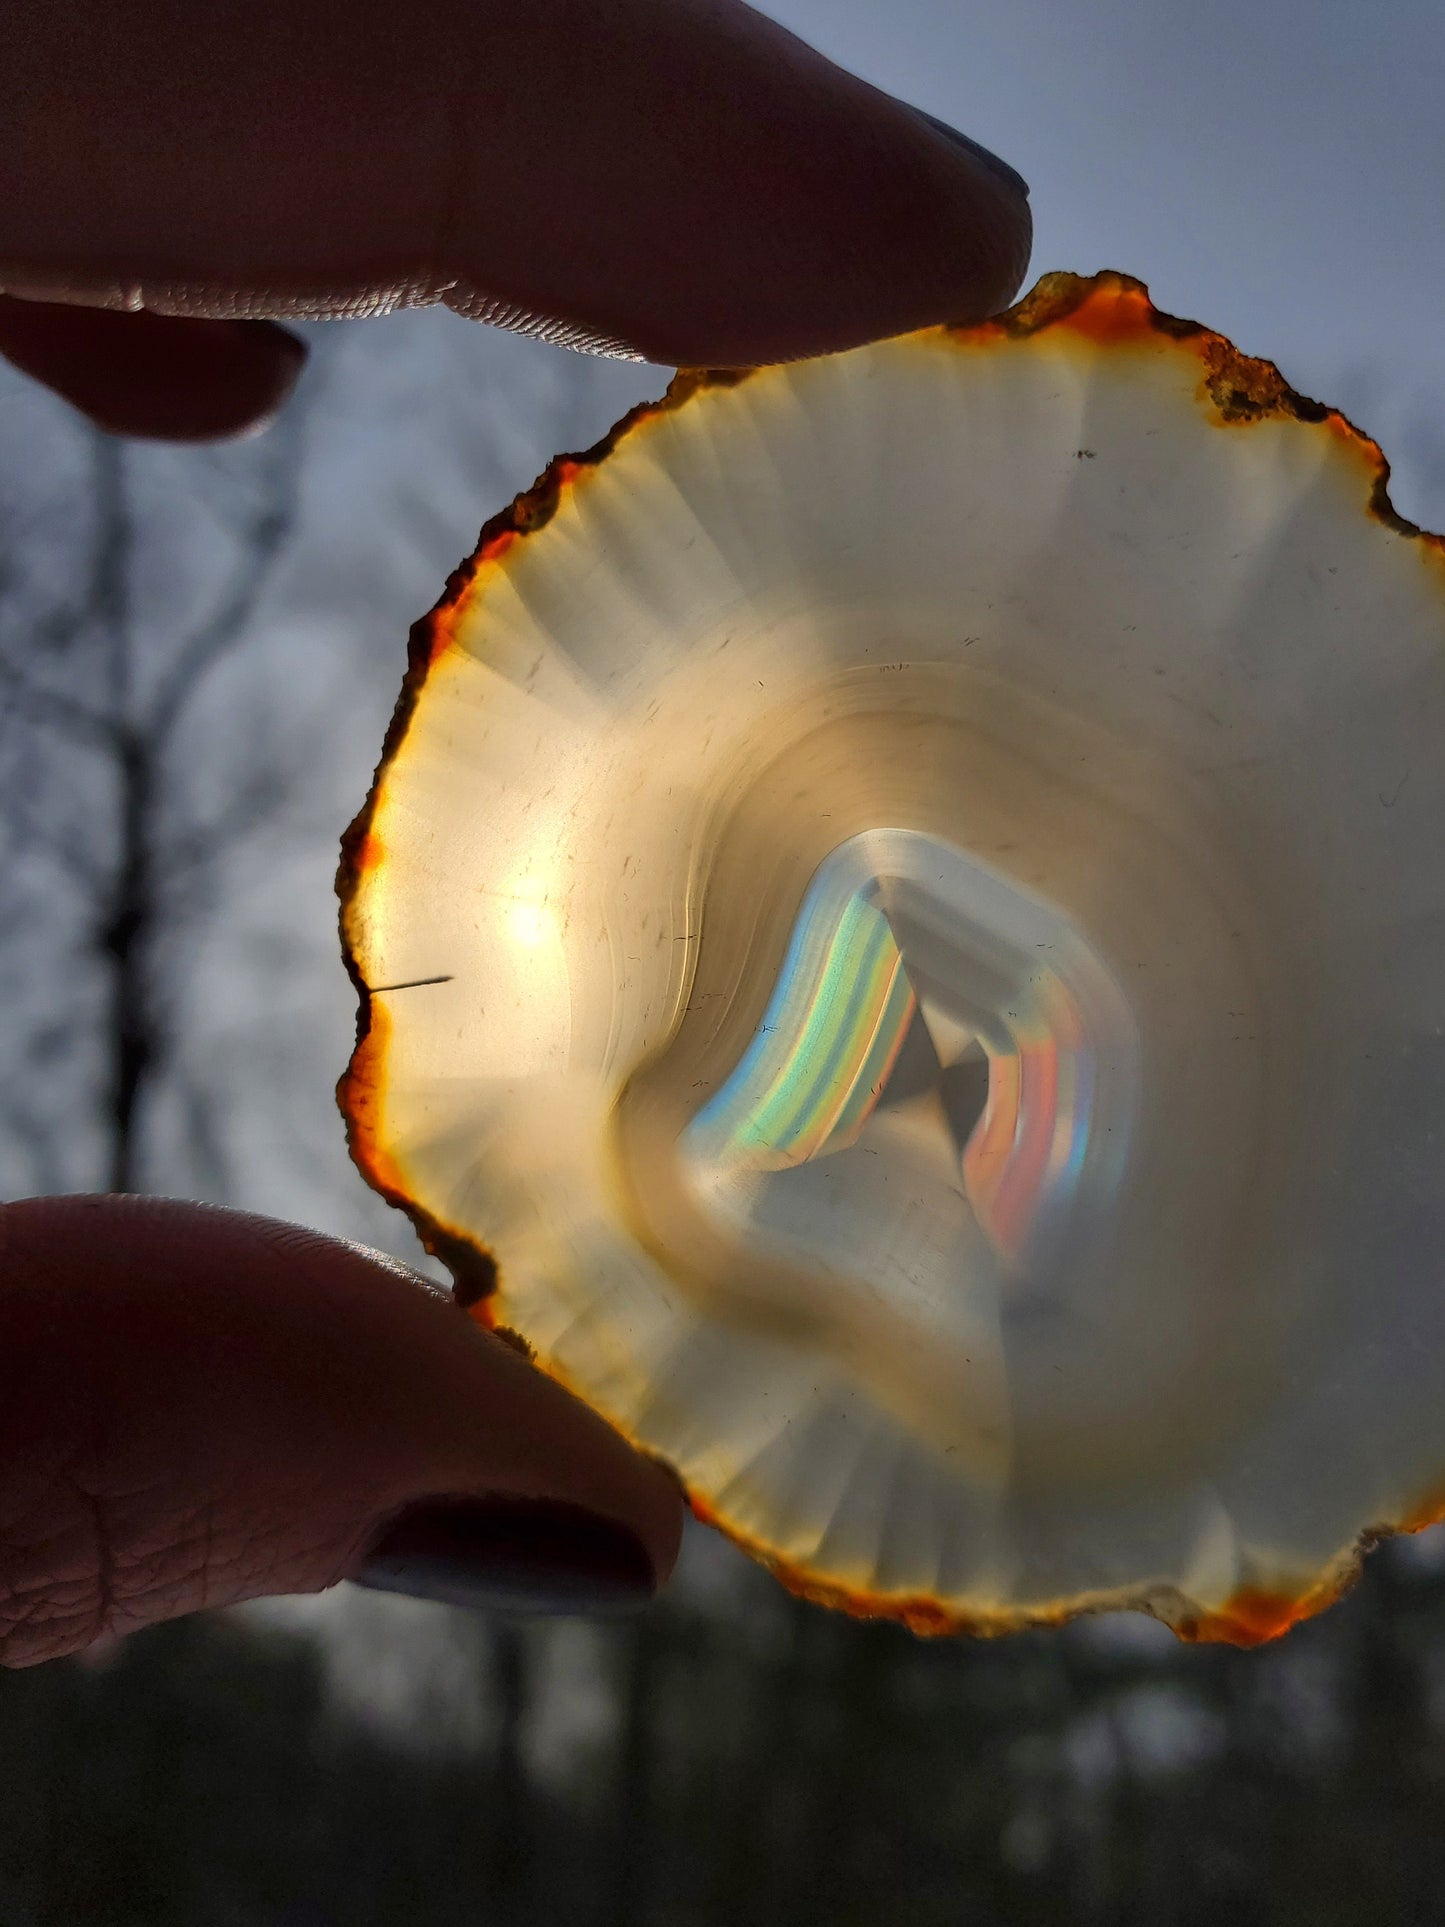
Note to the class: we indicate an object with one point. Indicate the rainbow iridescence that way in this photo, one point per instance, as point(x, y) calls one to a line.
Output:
point(910, 968)
point(825, 1050)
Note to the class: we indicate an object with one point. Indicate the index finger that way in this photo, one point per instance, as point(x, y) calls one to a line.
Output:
point(677, 178)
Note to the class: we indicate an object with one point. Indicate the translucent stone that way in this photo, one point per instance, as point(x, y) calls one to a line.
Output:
point(901, 927)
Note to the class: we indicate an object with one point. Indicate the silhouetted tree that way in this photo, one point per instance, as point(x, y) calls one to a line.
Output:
point(97, 685)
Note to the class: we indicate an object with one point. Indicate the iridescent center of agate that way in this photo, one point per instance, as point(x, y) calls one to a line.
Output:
point(942, 1053)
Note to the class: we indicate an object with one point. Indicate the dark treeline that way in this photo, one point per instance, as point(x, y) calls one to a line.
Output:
point(849, 1776)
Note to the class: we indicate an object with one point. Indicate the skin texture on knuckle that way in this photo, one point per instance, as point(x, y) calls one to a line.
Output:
point(141, 1476)
point(54, 1575)
point(80, 1568)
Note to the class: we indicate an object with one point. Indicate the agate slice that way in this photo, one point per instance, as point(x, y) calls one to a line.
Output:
point(901, 932)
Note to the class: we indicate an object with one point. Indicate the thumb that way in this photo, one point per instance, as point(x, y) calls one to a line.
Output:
point(199, 1407)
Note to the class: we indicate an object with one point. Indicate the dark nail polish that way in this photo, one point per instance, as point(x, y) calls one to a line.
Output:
point(1005, 173)
point(511, 1555)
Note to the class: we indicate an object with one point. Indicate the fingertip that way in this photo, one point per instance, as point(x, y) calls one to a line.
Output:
point(835, 215)
point(512, 1556)
point(1010, 176)
point(156, 377)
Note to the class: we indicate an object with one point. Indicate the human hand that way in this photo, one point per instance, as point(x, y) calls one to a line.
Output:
point(198, 1407)
point(680, 178)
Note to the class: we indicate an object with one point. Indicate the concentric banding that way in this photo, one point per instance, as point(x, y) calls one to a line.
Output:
point(733, 786)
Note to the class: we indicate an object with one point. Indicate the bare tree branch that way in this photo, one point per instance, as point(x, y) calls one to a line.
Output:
point(152, 880)
point(55, 711)
point(58, 843)
point(263, 542)
point(198, 847)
